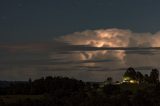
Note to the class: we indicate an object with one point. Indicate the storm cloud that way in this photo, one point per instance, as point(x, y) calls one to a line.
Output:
point(123, 47)
point(90, 55)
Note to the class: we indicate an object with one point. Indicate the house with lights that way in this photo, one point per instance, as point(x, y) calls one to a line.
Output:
point(130, 76)
point(130, 80)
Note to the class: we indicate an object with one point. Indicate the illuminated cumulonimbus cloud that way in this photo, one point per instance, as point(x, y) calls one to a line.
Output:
point(110, 38)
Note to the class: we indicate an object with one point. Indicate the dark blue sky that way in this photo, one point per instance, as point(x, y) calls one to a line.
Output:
point(41, 20)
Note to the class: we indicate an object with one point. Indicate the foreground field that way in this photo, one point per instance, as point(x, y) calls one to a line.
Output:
point(9, 99)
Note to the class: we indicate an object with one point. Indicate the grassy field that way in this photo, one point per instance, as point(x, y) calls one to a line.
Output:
point(14, 98)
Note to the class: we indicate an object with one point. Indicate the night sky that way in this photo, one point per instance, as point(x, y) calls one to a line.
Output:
point(85, 39)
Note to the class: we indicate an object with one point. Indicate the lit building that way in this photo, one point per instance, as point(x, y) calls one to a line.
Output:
point(129, 80)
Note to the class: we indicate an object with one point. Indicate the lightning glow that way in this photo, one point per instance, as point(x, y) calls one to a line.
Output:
point(110, 38)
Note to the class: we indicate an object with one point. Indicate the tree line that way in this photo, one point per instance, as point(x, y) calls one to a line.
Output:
point(63, 91)
point(131, 74)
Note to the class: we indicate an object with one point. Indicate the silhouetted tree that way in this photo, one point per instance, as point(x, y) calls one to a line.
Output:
point(38, 86)
point(130, 73)
point(139, 77)
point(154, 76)
point(146, 78)
point(109, 80)
point(30, 85)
